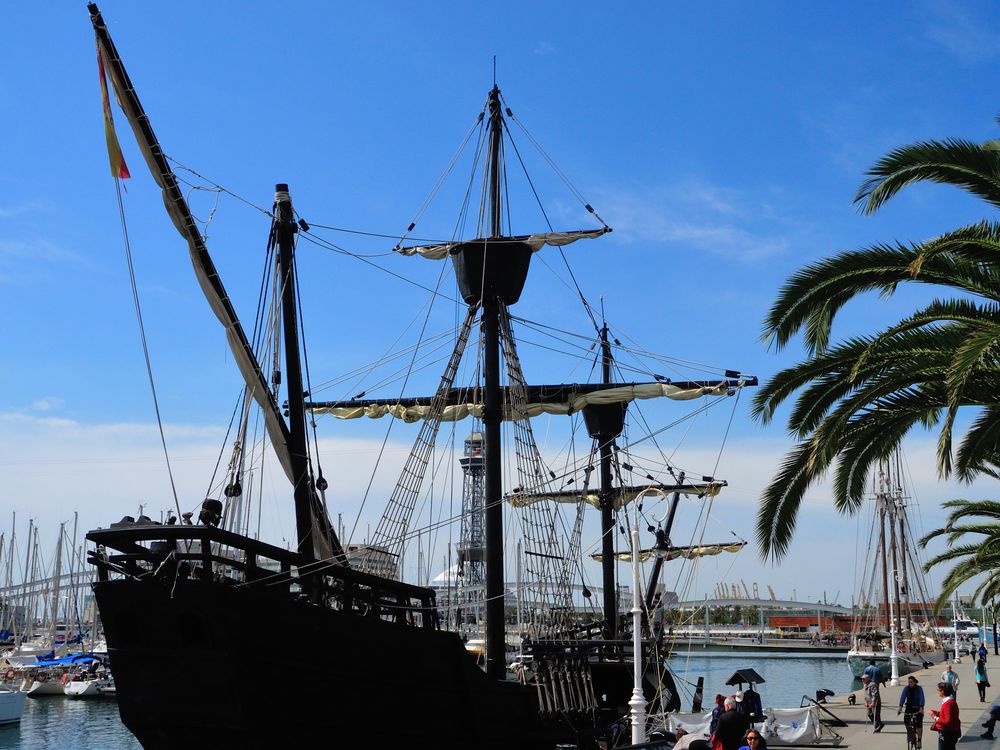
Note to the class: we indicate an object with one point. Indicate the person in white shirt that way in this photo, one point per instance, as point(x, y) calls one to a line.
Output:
point(951, 677)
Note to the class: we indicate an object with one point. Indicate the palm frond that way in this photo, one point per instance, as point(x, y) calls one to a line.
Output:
point(979, 451)
point(976, 243)
point(957, 162)
point(780, 503)
point(813, 296)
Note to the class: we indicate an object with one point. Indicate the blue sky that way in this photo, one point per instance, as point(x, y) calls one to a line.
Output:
point(724, 144)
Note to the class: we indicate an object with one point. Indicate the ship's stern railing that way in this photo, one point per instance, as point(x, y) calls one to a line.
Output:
point(207, 553)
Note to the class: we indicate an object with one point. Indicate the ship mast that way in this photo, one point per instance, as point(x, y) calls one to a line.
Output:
point(607, 508)
point(900, 501)
point(895, 560)
point(496, 666)
point(284, 235)
point(885, 568)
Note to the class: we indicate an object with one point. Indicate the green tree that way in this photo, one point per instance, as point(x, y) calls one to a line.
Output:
point(721, 616)
point(858, 399)
point(750, 615)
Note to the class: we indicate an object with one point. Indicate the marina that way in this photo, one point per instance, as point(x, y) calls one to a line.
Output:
point(78, 725)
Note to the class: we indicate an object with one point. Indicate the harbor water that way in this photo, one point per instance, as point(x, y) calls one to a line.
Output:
point(56, 722)
point(788, 677)
point(94, 725)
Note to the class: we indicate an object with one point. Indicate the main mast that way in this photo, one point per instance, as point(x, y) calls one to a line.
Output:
point(607, 508)
point(496, 665)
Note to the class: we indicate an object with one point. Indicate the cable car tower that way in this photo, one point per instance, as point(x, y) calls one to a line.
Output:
point(471, 547)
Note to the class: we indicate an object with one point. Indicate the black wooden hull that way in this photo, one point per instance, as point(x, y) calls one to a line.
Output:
point(203, 664)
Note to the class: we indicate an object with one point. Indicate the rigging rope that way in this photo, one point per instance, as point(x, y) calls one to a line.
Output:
point(267, 212)
point(395, 521)
point(553, 165)
point(327, 245)
point(550, 562)
point(381, 235)
point(142, 336)
point(396, 518)
point(441, 179)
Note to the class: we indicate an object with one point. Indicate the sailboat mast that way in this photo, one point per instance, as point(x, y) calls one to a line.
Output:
point(900, 501)
point(906, 576)
point(607, 510)
point(895, 564)
point(285, 235)
point(496, 666)
point(885, 567)
point(6, 622)
point(56, 576)
point(29, 597)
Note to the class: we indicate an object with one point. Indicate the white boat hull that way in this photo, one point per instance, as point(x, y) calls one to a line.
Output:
point(11, 706)
point(37, 689)
point(860, 660)
point(82, 689)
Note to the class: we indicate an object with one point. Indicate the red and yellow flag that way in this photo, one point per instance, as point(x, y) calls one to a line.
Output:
point(118, 167)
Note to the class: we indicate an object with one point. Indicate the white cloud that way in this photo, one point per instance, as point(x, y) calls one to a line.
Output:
point(723, 222)
point(48, 403)
point(24, 261)
point(51, 468)
point(19, 209)
point(961, 32)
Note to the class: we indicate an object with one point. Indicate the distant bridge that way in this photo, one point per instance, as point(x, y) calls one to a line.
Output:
point(830, 609)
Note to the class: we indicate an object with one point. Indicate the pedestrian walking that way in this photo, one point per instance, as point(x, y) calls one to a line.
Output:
point(873, 702)
point(951, 677)
point(982, 682)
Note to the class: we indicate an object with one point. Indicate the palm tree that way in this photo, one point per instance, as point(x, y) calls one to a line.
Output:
point(858, 399)
point(974, 548)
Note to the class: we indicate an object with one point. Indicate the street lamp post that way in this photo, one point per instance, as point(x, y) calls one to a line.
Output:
point(638, 700)
point(954, 611)
point(893, 645)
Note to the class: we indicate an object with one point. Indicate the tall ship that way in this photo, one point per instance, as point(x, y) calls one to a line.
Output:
point(358, 655)
point(891, 622)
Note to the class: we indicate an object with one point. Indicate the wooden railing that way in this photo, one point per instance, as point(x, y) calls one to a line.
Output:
point(150, 550)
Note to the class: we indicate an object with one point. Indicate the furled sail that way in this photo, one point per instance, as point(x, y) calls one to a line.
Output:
point(672, 553)
point(204, 268)
point(325, 544)
point(535, 241)
point(623, 495)
point(541, 399)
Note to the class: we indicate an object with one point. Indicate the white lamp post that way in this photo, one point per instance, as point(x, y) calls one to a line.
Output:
point(638, 700)
point(893, 654)
point(954, 611)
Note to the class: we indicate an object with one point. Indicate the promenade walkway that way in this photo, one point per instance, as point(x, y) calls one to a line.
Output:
point(858, 732)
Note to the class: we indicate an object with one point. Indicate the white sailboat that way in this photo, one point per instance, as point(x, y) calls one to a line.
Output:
point(88, 685)
point(11, 706)
point(891, 629)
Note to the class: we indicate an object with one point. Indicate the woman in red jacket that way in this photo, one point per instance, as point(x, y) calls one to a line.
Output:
point(946, 721)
